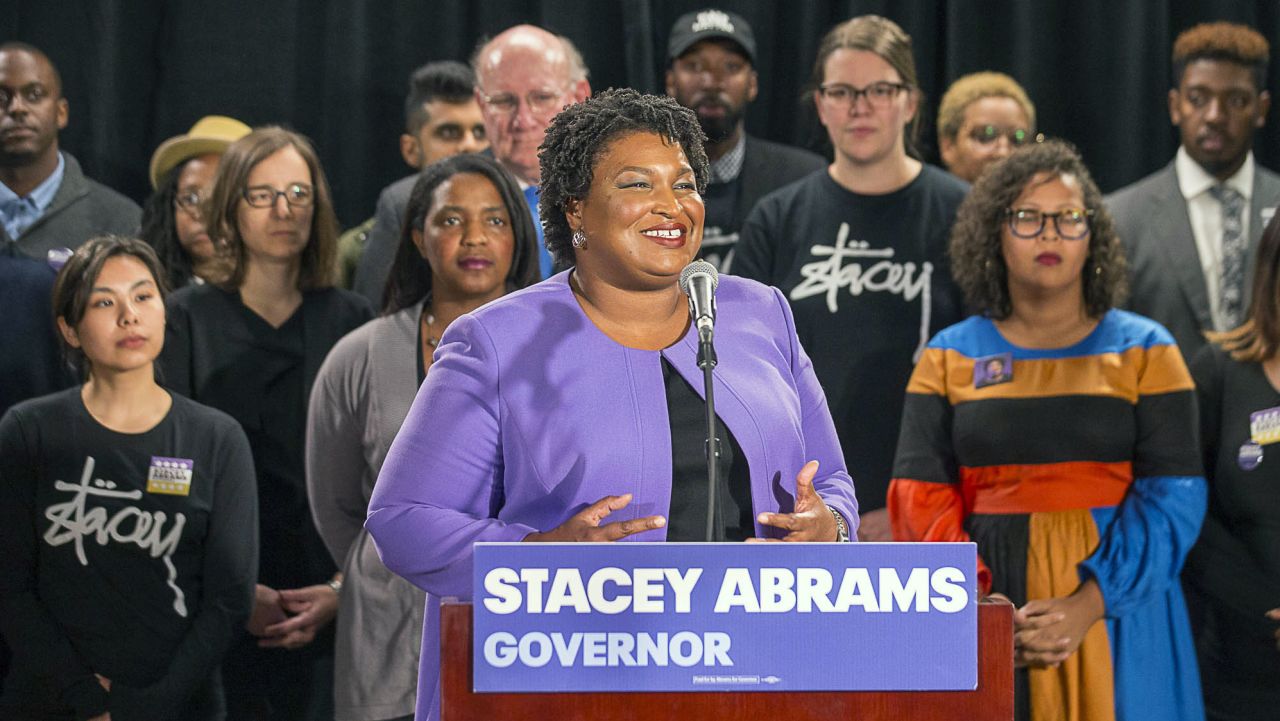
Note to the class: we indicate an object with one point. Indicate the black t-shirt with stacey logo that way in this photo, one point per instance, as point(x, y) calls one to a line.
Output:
point(130, 556)
point(869, 284)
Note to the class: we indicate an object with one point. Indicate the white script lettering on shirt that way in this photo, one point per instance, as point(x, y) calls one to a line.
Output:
point(71, 522)
point(884, 276)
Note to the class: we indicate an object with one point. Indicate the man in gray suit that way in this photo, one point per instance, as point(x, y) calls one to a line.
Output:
point(1190, 229)
point(47, 206)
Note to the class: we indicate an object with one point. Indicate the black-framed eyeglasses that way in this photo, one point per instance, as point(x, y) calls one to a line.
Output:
point(190, 201)
point(1072, 223)
point(298, 195)
point(879, 94)
point(988, 134)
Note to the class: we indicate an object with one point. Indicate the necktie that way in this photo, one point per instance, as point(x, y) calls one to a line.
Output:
point(1234, 255)
point(18, 215)
point(544, 256)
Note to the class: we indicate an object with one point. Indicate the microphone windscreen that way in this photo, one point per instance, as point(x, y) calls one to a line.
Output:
point(694, 268)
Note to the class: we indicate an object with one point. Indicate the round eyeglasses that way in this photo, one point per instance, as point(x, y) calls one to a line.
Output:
point(1072, 223)
point(988, 134)
point(189, 201)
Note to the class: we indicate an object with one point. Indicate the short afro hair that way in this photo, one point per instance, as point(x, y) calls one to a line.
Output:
point(1229, 42)
point(581, 133)
point(973, 87)
point(977, 259)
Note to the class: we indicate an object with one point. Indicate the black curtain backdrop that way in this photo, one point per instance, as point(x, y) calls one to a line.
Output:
point(139, 71)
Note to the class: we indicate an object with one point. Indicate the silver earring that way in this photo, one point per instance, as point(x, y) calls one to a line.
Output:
point(579, 239)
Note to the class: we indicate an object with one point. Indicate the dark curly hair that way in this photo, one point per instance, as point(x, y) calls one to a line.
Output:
point(410, 277)
point(580, 134)
point(977, 263)
point(160, 229)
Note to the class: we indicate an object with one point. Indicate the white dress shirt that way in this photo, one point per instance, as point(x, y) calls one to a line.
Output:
point(1206, 220)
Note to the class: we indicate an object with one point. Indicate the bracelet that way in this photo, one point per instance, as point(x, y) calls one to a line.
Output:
point(842, 528)
point(336, 585)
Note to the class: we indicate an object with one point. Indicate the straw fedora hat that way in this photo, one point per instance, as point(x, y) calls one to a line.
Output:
point(210, 134)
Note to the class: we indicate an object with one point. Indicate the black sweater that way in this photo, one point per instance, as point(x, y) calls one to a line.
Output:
point(132, 556)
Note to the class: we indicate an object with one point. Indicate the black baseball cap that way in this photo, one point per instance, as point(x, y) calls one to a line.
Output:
point(695, 27)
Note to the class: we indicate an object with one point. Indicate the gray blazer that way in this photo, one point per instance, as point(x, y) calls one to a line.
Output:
point(80, 210)
point(360, 398)
point(1166, 281)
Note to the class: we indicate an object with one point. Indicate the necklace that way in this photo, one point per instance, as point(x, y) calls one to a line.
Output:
point(429, 320)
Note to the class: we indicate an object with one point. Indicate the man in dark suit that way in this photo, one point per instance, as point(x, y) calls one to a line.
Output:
point(711, 72)
point(47, 206)
point(1190, 229)
point(442, 118)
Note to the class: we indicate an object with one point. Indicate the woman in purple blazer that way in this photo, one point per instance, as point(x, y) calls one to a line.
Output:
point(573, 411)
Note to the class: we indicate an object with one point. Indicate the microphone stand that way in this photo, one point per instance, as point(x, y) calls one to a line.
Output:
point(707, 362)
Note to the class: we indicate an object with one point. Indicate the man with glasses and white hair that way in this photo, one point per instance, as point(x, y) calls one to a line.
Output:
point(524, 76)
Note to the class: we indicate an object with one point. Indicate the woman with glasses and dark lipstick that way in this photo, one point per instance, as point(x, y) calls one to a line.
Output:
point(252, 346)
point(859, 248)
point(1233, 572)
point(1075, 469)
point(128, 517)
point(468, 239)
point(182, 173)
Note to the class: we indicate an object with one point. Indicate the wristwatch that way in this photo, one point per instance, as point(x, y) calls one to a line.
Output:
point(842, 528)
point(336, 585)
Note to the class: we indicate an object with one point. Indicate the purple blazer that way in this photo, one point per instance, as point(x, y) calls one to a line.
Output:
point(530, 414)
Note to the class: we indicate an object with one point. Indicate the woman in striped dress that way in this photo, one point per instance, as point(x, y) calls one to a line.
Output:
point(1059, 434)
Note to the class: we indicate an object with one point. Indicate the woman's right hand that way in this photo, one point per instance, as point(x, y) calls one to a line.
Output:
point(267, 610)
point(587, 525)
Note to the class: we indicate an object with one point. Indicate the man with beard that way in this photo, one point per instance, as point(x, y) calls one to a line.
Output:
point(712, 55)
point(46, 203)
point(1190, 229)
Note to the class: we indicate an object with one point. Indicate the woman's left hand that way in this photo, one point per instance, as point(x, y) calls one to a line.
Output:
point(1274, 615)
point(313, 607)
point(1055, 627)
point(812, 519)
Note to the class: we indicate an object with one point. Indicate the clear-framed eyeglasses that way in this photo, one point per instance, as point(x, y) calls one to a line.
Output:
point(541, 102)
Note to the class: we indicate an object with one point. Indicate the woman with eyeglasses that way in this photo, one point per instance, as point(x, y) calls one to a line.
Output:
point(468, 239)
point(252, 346)
point(1076, 470)
point(182, 173)
point(1233, 572)
point(982, 118)
point(859, 248)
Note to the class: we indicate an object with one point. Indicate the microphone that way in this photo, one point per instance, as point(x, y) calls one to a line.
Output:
point(699, 280)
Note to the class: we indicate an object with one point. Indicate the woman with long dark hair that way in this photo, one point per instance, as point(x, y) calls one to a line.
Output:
point(468, 238)
point(182, 173)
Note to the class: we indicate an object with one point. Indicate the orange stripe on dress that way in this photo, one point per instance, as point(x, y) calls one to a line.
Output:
point(1043, 487)
point(1161, 370)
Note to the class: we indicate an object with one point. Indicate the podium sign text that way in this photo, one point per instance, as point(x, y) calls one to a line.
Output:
point(725, 617)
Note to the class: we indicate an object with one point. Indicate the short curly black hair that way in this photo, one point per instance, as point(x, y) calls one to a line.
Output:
point(977, 262)
point(580, 134)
